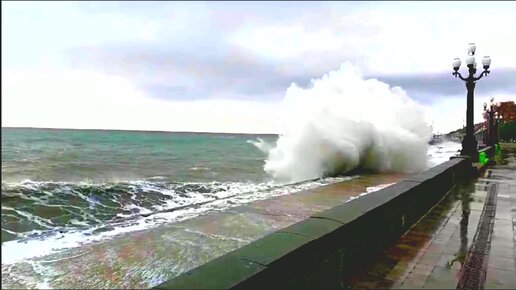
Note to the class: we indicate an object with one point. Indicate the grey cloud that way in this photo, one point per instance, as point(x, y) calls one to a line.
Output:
point(199, 63)
point(197, 71)
point(425, 88)
point(195, 60)
point(178, 72)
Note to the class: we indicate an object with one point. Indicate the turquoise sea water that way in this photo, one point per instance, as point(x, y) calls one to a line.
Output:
point(69, 186)
point(54, 181)
point(97, 155)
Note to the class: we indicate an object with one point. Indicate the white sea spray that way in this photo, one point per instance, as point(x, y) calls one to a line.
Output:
point(342, 122)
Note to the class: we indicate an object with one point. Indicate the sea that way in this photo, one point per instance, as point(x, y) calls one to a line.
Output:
point(63, 188)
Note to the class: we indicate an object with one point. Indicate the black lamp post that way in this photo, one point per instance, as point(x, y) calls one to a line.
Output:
point(498, 118)
point(491, 113)
point(469, 143)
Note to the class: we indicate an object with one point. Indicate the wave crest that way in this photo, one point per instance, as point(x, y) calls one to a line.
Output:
point(344, 122)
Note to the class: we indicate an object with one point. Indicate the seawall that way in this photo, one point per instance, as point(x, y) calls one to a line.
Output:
point(323, 251)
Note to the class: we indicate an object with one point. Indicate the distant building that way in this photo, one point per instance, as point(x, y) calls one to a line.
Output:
point(508, 111)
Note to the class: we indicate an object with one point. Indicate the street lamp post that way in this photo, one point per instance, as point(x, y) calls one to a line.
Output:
point(469, 143)
point(491, 113)
point(499, 119)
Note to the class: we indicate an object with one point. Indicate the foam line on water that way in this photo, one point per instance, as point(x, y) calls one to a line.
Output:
point(29, 248)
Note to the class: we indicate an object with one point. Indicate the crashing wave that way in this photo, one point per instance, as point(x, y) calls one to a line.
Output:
point(344, 122)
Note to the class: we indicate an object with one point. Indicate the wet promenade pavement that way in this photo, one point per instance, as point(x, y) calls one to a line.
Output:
point(468, 241)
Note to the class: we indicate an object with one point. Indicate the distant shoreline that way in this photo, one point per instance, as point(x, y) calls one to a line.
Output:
point(142, 131)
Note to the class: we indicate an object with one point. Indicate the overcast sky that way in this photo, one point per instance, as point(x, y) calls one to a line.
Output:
point(225, 66)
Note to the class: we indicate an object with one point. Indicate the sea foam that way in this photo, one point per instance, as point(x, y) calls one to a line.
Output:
point(344, 122)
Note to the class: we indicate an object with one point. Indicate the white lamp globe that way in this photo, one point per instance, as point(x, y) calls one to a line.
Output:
point(486, 61)
point(470, 60)
point(471, 48)
point(456, 63)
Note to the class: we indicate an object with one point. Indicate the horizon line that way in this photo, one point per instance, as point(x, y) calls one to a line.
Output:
point(136, 130)
point(161, 131)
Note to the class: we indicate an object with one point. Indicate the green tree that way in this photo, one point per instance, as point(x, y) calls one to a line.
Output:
point(507, 131)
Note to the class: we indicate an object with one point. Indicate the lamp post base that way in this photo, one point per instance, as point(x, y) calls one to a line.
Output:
point(469, 147)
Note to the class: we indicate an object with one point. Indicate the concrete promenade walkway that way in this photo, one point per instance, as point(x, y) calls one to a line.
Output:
point(468, 241)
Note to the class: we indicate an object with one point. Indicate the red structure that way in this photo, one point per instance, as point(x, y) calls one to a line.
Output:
point(507, 111)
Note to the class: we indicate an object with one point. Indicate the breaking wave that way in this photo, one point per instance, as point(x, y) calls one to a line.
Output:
point(344, 122)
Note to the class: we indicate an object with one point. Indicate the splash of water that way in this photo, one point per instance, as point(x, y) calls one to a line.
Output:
point(344, 122)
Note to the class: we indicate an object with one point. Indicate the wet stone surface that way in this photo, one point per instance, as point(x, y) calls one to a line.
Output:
point(433, 252)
